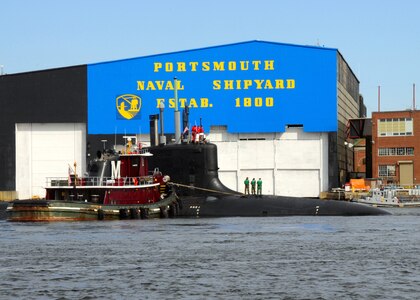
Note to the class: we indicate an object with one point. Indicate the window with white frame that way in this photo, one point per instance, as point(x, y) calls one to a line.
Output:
point(401, 151)
point(386, 170)
point(395, 126)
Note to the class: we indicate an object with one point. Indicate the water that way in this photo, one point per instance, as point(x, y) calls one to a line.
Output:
point(224, 258)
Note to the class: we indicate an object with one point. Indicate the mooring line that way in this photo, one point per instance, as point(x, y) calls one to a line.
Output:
point(201, 189)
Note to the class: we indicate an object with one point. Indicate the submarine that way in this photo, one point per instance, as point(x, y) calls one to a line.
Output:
point(193, 169)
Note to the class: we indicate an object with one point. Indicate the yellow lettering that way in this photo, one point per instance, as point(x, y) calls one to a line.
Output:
point(247, 102)
point(290, 83)
point(157, 66)
point(159, 100)
point(244, 65)
point(159, 84)
point(140, 85)
point(232, 65)
point(259, 83)
point(206, 66)
point(247, 84)
point(169, 85)
point(228, 84)
point(279, 84)
point(238, 84)
point(268, 84)
point(171, 103)
point(204, 102)
point(256, 64)
point(269, 65)
point(150, 86)
point(169, 67)
point(182, 102)
point(179, 87)
point(256, 102)
point(181, 67)
point(216, 85)
point(193, 65)
point(218, 66)
point(193, 103)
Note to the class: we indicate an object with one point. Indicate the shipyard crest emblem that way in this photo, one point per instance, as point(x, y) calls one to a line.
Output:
point(128, 106)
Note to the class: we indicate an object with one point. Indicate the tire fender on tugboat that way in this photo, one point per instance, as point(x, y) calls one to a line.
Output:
point(164, 212)
point(144, 213)
point(101, 215)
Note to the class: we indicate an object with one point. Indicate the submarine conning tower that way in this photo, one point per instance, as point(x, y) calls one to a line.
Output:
point(194, 165)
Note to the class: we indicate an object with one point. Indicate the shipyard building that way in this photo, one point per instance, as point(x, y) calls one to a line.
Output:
point(276, 111)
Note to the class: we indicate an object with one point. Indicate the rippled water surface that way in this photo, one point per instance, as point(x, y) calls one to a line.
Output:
point(224, 258)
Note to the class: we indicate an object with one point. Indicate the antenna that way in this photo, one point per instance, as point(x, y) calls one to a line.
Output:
point(125, 137)
point(104, 142)
point(177, 114)
point(115, 139)
point(414, 96)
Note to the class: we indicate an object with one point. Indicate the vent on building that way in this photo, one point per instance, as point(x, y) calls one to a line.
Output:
point(252, 139)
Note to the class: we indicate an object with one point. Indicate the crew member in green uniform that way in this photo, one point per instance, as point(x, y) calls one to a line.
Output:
point(253, 186)
point(246, 182)
point(259, 187)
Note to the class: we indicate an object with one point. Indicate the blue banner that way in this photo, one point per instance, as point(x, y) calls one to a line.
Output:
point(250, 87)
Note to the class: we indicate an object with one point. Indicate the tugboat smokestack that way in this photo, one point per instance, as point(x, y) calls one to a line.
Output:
point(162, 139)
point(154, 135)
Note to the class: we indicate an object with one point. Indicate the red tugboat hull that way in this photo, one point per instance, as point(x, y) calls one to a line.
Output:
point(56, 210)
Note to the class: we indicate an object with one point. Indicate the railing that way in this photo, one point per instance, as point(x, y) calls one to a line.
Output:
point(401, 190)
point(136, 151)
point(404, 195)
point(98, 181)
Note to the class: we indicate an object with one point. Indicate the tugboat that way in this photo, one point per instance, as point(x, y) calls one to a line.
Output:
point(118, 186)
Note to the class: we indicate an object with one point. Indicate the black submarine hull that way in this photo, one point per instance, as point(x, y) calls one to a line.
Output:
point(194, 173)
point(270, 206)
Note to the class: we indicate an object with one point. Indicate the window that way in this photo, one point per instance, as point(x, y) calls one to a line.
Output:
point(395, 126)
point(383, 151)
point(386, 170)
point(392, 151)
point(401, 151)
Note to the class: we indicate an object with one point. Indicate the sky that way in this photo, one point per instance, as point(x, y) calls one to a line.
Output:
point(379, 39)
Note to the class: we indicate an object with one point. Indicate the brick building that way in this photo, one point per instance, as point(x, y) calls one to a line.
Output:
point(395, 147)
point(359, 150)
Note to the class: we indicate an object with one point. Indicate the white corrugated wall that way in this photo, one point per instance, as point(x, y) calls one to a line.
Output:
point(293, 163)
point(46, 150)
